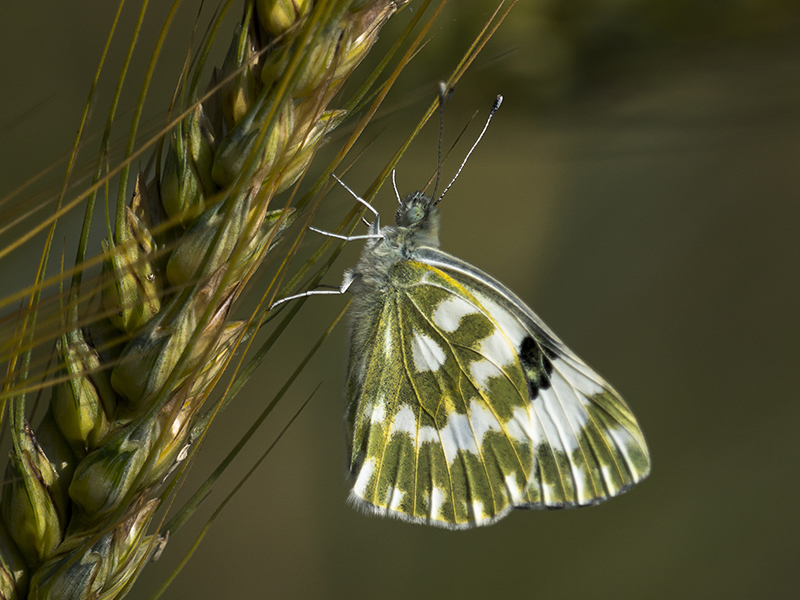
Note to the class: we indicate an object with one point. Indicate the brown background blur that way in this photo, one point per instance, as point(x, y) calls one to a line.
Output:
point(639, 189)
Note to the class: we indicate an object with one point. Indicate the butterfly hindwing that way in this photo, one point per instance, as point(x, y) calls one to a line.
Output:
point(588, 445)
point(439, 412)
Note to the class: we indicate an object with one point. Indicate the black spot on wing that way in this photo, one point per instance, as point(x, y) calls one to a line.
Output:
point(529, 352)
point(537, 363)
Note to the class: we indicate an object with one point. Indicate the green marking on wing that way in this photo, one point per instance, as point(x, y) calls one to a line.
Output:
point(626, 451)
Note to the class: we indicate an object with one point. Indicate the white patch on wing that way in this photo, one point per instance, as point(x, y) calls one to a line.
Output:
point(622, 439)
point(378, 412)
point(520, 426)
point(582, 492)
point(505, 320)
point(395, 497)
point(478, 514)
point(481, 371)
point(537, 432)
point(514, 491)
point(427, 354)
point(457, 435)
point(498, 349)
point(364, 475)
point(570, 400)
point(482, 420)
point(607, 475)
point(555, 428)
point(577, 378)
point(428, 434)
point(437, 501)
point(561, 412)
point(550, 493)
point(450, 311)
point(387, 340)
point(405, 422)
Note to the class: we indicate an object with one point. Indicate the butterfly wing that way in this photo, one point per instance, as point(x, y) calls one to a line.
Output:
point(587, 444)
point(463, 404)
point(439, 413)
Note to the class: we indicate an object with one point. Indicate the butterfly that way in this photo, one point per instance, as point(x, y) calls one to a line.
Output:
point(462, 404)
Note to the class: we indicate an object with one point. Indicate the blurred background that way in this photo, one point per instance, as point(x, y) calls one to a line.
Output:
point(638, 188)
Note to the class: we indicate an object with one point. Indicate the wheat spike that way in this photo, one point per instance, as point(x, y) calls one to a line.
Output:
point(80, 491)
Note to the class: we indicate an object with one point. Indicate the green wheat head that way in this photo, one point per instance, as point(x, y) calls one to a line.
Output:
point(120, 352)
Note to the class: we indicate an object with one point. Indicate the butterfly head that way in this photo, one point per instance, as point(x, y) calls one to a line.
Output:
point(417, 213)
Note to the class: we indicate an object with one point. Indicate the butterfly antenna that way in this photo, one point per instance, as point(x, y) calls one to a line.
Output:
point(497, 102)
point(442, 99)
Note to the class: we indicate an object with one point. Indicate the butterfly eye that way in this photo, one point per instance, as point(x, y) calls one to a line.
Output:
point(412, 215)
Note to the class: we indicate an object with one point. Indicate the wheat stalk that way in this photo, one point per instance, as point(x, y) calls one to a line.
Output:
point(135, 369)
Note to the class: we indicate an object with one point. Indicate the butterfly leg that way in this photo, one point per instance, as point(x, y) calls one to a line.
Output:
point(376, 226)
point(348, 238)
point(349, 277)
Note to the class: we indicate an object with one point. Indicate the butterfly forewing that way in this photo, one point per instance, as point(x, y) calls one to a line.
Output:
point(587, 443)
point(439, 406)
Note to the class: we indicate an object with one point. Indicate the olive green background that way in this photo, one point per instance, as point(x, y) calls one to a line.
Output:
point(639, 188)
